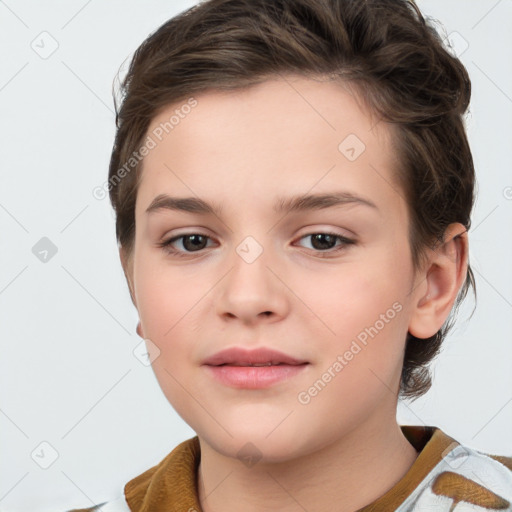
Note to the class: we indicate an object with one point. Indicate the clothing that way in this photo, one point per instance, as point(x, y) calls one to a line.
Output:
point(445, 476)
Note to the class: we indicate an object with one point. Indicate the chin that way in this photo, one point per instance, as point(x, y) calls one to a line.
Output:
point(251, 443)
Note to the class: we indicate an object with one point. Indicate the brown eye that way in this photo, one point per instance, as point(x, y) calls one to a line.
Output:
point(194, 242)
point(323, 241)
point(190, 243)
point(326, 241)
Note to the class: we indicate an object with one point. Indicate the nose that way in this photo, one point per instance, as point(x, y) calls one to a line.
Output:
point(251, 291)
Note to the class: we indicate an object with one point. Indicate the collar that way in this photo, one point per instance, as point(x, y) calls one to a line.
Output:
point(171, 485)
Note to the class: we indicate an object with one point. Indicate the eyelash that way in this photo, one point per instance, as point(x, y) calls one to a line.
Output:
point(166, 244)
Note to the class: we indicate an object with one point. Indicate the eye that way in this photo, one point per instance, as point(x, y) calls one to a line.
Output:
point(190, 243)
point(324, 241)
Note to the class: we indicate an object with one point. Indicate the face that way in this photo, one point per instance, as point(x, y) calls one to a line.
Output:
point(327, 283)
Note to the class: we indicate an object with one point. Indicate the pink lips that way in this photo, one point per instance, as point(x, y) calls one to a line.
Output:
point(253, 369)
point(242, 357)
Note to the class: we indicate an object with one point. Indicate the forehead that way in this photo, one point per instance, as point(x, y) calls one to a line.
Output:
point(287, 134)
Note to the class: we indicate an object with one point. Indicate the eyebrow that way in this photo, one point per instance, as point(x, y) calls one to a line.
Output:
point(282, 204)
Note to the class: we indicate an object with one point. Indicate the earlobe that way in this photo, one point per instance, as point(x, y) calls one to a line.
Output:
point(139, 330)
point(444, 275)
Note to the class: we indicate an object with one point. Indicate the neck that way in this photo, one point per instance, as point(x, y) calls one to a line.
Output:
point(352, 473)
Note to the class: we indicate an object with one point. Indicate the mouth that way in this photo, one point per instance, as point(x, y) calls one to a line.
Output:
point(246, 364)
point(253, 376)
point(237, 356)
point(257, 369)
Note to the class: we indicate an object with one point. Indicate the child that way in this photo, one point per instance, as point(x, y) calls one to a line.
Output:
point(317, 149)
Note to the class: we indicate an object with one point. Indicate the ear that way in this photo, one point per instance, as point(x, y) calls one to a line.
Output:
point(440, 282)
point(127, 264)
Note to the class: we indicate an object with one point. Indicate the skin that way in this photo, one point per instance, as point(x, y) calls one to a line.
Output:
point(242, 150)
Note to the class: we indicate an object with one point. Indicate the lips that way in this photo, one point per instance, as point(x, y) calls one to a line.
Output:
point(253, 369)
point(258, 357)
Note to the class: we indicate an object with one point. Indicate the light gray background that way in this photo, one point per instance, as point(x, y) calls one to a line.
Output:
point(68, 374)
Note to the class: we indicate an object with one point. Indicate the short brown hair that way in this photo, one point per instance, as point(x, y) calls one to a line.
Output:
point(384, 49)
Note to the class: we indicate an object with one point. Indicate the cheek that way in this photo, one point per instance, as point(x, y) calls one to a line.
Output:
point(164, 296)
point(354, 297)
point(361, 359)
point(365, 317)
point(165, 302)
